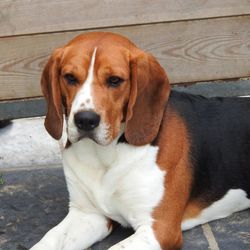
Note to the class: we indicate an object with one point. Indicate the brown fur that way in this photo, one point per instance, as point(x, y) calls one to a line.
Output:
point(148, 97)
point(52, 93)
point(173, 157)
point(193, 209)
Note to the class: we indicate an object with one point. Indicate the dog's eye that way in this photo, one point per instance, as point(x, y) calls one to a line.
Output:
point(71, 79)
point(114, 81)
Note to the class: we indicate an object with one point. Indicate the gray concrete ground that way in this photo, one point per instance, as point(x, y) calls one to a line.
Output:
point(25, 143)
point(33, 196)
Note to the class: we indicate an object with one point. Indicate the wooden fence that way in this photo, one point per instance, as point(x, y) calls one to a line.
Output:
point(195, 40)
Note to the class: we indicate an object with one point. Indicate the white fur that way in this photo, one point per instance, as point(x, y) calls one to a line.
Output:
point(118, 181)
point(82, 101)
point(102, 133)
point(143, 239)
point(84, 95)
point(123, 182)
point(234, 200)
point(77, 231)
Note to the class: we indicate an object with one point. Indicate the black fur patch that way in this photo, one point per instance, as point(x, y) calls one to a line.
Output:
point(219, 131)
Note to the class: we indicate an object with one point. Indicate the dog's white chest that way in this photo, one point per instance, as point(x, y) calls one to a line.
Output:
point(121, 181)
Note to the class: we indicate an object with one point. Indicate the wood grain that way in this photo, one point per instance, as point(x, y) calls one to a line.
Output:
point(36, 16)
point(190, 51)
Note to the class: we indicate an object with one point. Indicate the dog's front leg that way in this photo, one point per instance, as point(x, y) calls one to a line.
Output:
point(77, 231)
point(142, 239)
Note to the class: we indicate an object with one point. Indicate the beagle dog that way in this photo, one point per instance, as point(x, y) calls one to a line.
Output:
point(138, 153)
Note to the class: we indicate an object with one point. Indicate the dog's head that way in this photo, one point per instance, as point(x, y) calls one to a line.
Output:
point(105, 84)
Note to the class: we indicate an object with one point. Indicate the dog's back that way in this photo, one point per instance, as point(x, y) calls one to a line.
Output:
point(219, 130)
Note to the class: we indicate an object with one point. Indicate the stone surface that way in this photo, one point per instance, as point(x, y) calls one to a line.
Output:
point(25, 143)
point(234, 233)
point(33, 201)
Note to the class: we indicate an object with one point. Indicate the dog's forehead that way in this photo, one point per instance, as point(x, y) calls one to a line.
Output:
point(97, 39)
point(110, 49)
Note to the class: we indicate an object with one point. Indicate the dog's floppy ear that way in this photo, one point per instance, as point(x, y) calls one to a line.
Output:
point(51, 90)
point(148, 98)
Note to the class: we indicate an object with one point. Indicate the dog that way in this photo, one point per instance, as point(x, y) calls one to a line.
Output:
point(156, 160)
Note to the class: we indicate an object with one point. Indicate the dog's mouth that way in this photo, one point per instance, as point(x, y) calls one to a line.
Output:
point(92, 136)
point(101, 135)
point(79, 136)
point(86, 136)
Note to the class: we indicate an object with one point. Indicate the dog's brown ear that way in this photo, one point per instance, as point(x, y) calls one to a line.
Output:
point(51, 90)
point(148, 98)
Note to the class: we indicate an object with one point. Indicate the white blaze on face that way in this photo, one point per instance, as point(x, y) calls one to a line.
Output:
point(83, 100)
point(84, 97)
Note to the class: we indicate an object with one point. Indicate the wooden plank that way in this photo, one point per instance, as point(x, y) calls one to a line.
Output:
point(22, 108)
point(37, 107)
point(190, 51)
point(36, 16)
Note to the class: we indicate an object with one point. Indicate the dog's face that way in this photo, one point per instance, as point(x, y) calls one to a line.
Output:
point(101, 87)
point(103, 81)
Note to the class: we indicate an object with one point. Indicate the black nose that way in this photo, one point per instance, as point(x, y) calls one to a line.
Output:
point(86, 120)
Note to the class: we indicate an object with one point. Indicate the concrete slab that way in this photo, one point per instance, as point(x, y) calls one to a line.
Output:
point(33, 201)
point(25, 143)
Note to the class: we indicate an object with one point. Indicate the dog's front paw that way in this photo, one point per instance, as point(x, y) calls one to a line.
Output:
point(142, 239)
point(37, 247)
point(118, 246)
point(128, 244)
point(41, 245)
